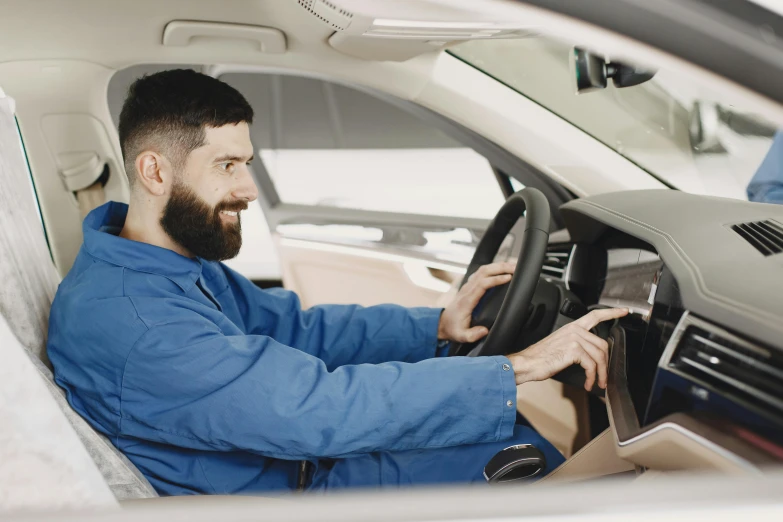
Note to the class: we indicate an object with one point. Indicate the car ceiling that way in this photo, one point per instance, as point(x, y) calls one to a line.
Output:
point(130, 32)
point(117, 34)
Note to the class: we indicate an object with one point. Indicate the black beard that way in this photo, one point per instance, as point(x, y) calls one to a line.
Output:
point(196, 226)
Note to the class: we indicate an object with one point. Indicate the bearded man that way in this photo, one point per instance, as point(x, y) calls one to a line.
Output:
point(211, 385)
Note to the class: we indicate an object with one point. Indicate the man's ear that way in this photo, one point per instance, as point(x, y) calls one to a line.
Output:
point(154, 172)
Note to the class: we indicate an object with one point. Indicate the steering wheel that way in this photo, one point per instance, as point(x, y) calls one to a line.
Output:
point(515, 307)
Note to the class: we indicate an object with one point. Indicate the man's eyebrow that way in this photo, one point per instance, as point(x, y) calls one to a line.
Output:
point(231, 157)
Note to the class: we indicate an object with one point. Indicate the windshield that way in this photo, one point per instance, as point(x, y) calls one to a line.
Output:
point(676, 130)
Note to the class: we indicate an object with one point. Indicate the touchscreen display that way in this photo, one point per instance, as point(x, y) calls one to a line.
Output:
point(632, 277)
point(633, 281)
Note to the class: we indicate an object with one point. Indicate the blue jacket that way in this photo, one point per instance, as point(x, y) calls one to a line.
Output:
point(767, 184)
point(211, 385)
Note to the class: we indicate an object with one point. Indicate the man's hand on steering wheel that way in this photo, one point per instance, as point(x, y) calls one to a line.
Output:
point(455, 320)
point(571, 344)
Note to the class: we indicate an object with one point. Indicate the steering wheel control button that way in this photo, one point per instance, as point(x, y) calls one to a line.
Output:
point(506, 367)
point(572, 309)
point(509, 403)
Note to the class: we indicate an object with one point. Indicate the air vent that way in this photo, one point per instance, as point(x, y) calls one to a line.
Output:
point(328, 13)
point(765, 236)
point(733, 367)
point(556, 260)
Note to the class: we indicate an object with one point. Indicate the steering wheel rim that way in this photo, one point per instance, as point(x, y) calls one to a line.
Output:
point(515, 309)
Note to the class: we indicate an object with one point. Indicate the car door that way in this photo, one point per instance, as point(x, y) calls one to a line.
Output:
point(368, 199)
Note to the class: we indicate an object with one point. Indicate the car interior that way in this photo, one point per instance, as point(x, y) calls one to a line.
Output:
point(401, 145)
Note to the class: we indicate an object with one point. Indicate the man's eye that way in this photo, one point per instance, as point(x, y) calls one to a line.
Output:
point(227, 166)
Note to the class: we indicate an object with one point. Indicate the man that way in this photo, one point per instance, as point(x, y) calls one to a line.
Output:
point(211, 385)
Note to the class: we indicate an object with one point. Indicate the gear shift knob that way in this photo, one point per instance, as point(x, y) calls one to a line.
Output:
point(515, 463)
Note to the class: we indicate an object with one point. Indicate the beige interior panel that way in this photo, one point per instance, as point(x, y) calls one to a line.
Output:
point(558, 412)
point(672, 448)
point(320, 277)
point(597, 459)
point(653, 475)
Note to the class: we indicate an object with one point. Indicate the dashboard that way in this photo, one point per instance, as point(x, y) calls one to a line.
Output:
point(696, 370)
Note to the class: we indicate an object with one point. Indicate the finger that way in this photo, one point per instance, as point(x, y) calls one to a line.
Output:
point(491, 282)
point(600, 315)
point(589, 365)
point(477, 290)
point(494, 269)
point(477, 273)
point(472, 335)
point(593, 339)
point(598, 349)
point(599, 358)
point(470, 284)
point(490, 270)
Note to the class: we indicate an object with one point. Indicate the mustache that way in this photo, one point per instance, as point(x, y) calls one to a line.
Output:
point(231, 206)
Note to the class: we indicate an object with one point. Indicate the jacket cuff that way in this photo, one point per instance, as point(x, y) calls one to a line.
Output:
point(427, 321)
point(442, 348)
point(508, 386)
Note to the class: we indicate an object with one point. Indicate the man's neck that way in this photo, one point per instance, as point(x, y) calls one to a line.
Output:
point(143, 225)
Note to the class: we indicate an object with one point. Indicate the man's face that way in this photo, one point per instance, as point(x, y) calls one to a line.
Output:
point(202, 213)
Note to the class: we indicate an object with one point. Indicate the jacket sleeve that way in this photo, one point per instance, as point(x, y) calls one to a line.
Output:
point(187, 384)
point(767, 183)
point(337, 334)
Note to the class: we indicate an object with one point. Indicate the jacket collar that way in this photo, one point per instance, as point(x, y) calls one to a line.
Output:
point(101, 230)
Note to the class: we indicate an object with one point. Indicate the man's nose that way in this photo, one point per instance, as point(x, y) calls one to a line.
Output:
point(246, 186)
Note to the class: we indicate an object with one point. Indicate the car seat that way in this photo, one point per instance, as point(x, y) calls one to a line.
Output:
point(28, 281)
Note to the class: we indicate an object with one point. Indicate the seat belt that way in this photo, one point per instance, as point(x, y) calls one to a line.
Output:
point(87, 181)
point(90, 198)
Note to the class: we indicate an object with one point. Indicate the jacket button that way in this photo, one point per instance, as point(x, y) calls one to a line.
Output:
point(506, 367)
point(509, 403)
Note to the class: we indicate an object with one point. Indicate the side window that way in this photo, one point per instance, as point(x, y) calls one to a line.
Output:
point(326, 144)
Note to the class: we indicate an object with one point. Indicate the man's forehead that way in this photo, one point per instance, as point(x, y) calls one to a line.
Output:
point(229, 139)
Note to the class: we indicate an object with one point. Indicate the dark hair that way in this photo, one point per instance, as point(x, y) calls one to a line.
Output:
point(169, 111)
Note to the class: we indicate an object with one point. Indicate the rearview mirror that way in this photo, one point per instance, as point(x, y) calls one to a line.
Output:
point(593, 72)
